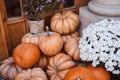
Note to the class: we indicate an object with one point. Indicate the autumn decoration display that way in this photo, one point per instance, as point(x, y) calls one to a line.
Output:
point(59, 53)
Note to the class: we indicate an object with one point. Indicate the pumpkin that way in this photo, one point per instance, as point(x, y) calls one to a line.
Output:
point(31, 74)
point(72, 35)
point(31, 38)
point(58, 66)
point(50, 43)
point(43, 61)
point(75, 35)
point(72, 48)
point(99, 72)
point(64, 23)
point(8, 69)
point(79, 73)
point(26, 55)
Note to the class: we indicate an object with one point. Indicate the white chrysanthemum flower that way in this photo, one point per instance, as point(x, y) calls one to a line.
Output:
point(100, 43)
point(95, 63)
point(116, 72)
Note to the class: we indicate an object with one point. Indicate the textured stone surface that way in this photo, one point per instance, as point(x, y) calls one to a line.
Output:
point(87, 17)
point(108, 2)
point(105, 7)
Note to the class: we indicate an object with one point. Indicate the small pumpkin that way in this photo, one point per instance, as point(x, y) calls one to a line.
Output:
point(31, 38)
point(50, 43)
point(65, 23)
point(72, 35)
point(59, 65)
point(26, 55)
point(31, 74)
point(8, 69)
point(72, 48)
point(79, 73)
point(43, 61)
point(99, 72)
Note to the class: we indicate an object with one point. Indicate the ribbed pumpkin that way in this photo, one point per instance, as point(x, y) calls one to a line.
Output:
point(50, 43)
point(43, 61)
point(72, 35)
point(72, 48)
point(59, 65)
point(99, 72)
point(31, 74)
point(31, 38)
point(26, 55)
point(79, 73)
point(65, 23)
point(8, 69)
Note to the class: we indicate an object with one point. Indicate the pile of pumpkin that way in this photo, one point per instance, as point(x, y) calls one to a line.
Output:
point(52, 55)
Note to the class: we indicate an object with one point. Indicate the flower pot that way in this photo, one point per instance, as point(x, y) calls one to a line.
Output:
point(36, 26)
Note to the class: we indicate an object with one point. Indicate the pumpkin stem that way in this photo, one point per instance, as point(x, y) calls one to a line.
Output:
point(47, 28)
point(61, 8)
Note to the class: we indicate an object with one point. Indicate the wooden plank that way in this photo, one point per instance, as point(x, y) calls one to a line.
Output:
point(15, 33)
point(3, 43)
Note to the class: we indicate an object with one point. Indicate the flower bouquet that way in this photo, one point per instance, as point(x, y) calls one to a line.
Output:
point(37, 10)
point(100, 44)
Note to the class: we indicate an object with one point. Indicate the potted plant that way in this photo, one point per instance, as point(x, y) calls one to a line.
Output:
point(100, 44)
point(35, 11)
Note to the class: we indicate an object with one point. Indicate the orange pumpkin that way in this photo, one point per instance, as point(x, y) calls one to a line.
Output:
point(65, 23)
point(75, 35)
point(79, 73)
point(50, 43)
point(58, 66)
point(72, 48)
point(31, 38)
point(26, 55)
point(99, 72)
point(8, 69)
point(31, 74)
point(43, 61)
point(72, 35)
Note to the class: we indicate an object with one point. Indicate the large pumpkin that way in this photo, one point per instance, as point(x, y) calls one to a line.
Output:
point(8, 69)
point(79, 73)
point(31, 74)
point(31, 38)
point(58, 66)
point(72, 48)
point(99, 72)
point(65, 23)
point(50, 43)
point(26, 55)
